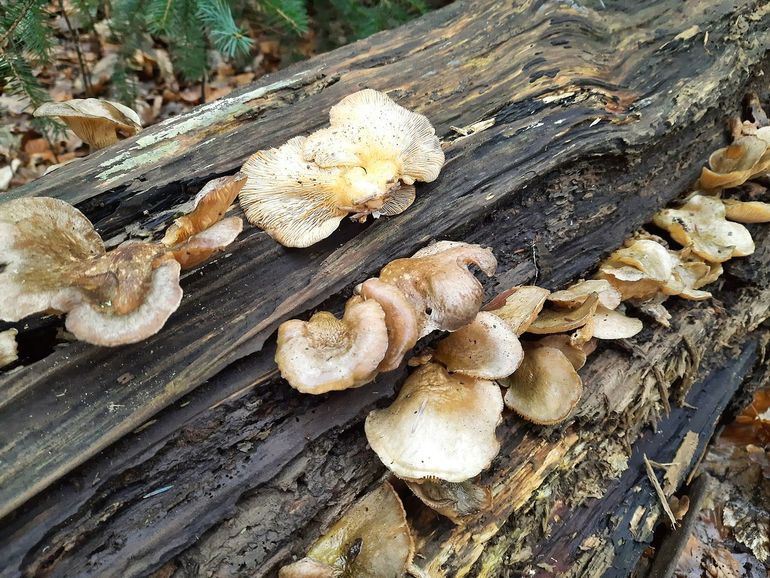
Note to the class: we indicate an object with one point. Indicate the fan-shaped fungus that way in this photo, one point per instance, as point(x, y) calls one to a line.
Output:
point(747, 211)
point(371, 540)
point(327, 354)
point(559, 320)
point(365, 163)
point(639, 270)
point(701, 225)
point(486, 348)
point(545, 389)
point(54, 260)
point(455, 501)
point(575, 295)
point(732, 166)
point(96, 122)
point(438, 284)
point(440, 426)
point(519, 306)
point(576, 353)
point(611, 324)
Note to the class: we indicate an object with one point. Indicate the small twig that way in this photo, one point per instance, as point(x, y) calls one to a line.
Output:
point(533, 246)
point(76, 39)
point(658, 490)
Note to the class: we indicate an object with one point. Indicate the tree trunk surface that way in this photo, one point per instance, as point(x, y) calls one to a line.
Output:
point(566, 125)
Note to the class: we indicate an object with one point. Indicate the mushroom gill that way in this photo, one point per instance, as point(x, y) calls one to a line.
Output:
point(441, 425)
point(327, 354)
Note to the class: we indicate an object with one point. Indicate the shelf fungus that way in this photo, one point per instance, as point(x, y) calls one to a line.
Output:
point(456, 501)
point(560, 320)
point(56, 262)
point(328, 354)
point(747, 157)
point(196, 236)
point(365, 163)
point(519, 306)
point(486, 348)
point(700, 224)
point(437, 282)
point(8, 347)
point(400, 319)
point(689, 274)
point(577, 294)
point(371, 540)
point(441, 425)
point(639, 270)
point(576, 351)
point(546, 387)
point(746, 211)
point(97, 122)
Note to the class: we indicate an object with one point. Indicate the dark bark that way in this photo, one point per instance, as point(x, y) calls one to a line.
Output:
point(591, 119)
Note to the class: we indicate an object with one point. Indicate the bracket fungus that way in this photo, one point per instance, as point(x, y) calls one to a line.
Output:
point(437, 282)
point(8, 347)
point(97, 122)
point(441, 425)
point(639, 270)
point(701, 225)
point(371, 540)
point(365, 163)
point(747, 157)
point(486, 348)
point(546, 387)
point(746, 211)
point(456, 501)
point(577, 294)
point(519, 306)
point(577, 353)
point(560, 320)
point(612, 324)
point(55, 261)
point(328, 354)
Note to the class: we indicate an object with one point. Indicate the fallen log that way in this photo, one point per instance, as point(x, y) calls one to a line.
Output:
point(565, 128)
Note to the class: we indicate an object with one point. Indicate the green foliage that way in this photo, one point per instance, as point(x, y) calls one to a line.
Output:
point(189, 28)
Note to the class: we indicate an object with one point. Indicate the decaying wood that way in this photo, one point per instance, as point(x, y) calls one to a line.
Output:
point(574, 124)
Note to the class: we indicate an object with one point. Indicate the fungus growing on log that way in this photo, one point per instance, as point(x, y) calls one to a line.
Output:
point(97, 122)
point(486, 348)
point(612, 324)
point(546, 388)
point(746, 211)
point(577, 353)
point(328, 354)
point(560, 320)
point(441, 425)
point(55, 261)
point(456, 501)
point(732, 166)
point(701, 225)
point(8, 347)
point(577, 294)
point(438, 284)
point(371, 540)
point(519, 306)
point(365, 163)
point(639, 270)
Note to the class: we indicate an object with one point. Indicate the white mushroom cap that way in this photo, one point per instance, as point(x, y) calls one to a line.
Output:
point(327, 354)
point(639, 270)
point(612, 324)
point(487, 348)
point(546, 388)
point(575, 295)
point(90, 323)
point(400, 319)
point(519, 306)
point(294, 201)
point(701, 225)
point(367, 129)
point(371, 540)
point(95, 121)
point(8, 347)
point(440, 425)
point(747, 211)
point(438, 284)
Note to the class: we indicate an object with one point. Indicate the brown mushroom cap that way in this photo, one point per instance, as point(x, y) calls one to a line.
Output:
point(732, 166)
point(639, 270)
point(294, 201)
point(440, 426)
point(329, 354)
point(201, 246)
point(438, 284)
point(575, 295)
point(400, 319)
point(519, 306)
point(95, 121)
point(486, 348)
point(211, 204)
point(371, 540)
point(367, 129)
point(455, 501)
point(576, 353)
point(560, 320)
point(690, 273)
point(747, 211)
point(612, 324)
point(8, 347)
point(546, 388)
point(701, 225)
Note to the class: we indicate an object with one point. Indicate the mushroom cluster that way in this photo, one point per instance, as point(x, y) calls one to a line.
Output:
point(54, 261)
point(432, 290)
point(365, 163)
